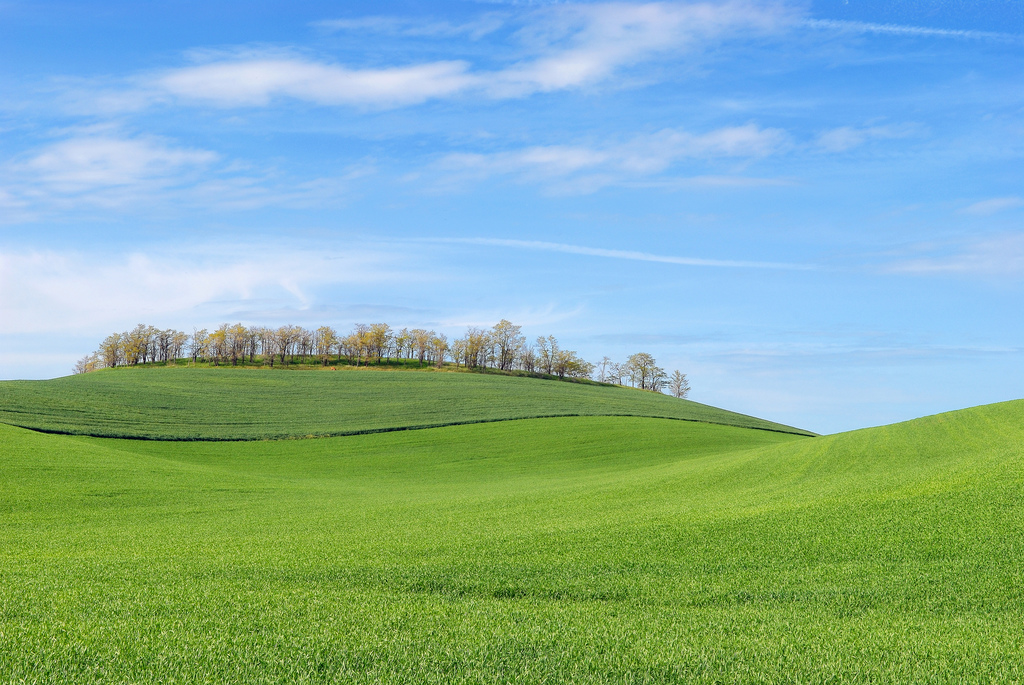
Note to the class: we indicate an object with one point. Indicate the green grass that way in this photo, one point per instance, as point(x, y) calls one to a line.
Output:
point(589, 549)
point(244, 404)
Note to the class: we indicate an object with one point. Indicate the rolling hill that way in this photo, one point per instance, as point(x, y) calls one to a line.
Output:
point(606, 549)
point(245, 404)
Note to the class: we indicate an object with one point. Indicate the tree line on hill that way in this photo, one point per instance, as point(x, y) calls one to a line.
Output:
point(501, 347)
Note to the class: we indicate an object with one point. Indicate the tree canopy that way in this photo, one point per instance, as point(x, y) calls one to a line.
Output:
point(502, 347)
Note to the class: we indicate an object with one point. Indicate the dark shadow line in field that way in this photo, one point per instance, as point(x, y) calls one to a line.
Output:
point(395, 429)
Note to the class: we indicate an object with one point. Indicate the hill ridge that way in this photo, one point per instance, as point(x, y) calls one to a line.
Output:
point(183, 404)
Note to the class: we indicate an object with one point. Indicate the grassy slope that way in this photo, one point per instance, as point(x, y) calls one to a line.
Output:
point(219, 404)
point(585, 549)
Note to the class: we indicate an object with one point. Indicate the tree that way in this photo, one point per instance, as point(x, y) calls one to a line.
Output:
point(528, 358)
point(111, 352)
point(237, 337)
point(326, 340)
point(421, 339)
point(89, 362)
point(477, 347)
point(506, 338)
point(644, 373)
point(217, 344)
point(135, 344)
point(252, 343)
point(198, 344)
point(678, 385)
point(458, 351)
point(567, 363)
point(379, 338)
point(178, 342)
point(439, 348)
point(403, 344)
point(285, 339)
point(547, 353)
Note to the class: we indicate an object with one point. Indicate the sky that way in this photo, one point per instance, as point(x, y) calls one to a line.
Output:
point(813, 209)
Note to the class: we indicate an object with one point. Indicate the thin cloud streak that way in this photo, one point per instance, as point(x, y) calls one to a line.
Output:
point(625, 254)
point(993, 205)
point(415, 27)
point(581, 169)
point(996, 257)
point(903, 30)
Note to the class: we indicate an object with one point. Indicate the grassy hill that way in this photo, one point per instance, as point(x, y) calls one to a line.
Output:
point(575, 549)
point(244, 404)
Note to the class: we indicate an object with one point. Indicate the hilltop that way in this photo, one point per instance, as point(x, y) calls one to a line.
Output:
point(226, 403)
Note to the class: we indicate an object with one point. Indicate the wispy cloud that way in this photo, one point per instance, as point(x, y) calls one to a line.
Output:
point(994, 257)
point(910, 31)
point(47, 290)
point(90, 161)
point(848, 137)
point(587, 169)
point(625, 254)
point(555, 48)
point(104, 167)
point(577, 45)
point(527, 316)
point(417, 27)
point(993, 205)
point(257, 82)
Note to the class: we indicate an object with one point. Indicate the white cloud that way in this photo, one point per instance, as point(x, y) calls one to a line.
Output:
point(846, 137)
point(559, 47)
point(87, 162)
point(581, 44)
point(108, 169)
point(43, 291)
point(256, 82)
point(993, 205)
point(585, 169)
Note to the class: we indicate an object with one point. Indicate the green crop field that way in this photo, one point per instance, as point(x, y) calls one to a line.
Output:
point(244, 404)
point(607, 549)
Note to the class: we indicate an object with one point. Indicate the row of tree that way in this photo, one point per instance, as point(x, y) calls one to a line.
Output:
point(502, 347)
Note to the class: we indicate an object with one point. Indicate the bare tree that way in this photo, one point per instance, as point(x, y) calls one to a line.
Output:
point(528, 358)
point(197, 344)
point(89, 362)
point(678, 385)
point(458, 351)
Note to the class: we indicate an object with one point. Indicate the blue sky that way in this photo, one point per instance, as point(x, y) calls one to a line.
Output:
point(812, 208)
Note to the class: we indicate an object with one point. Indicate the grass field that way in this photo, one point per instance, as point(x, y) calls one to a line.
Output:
point(583, 549)
point(245, 404)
